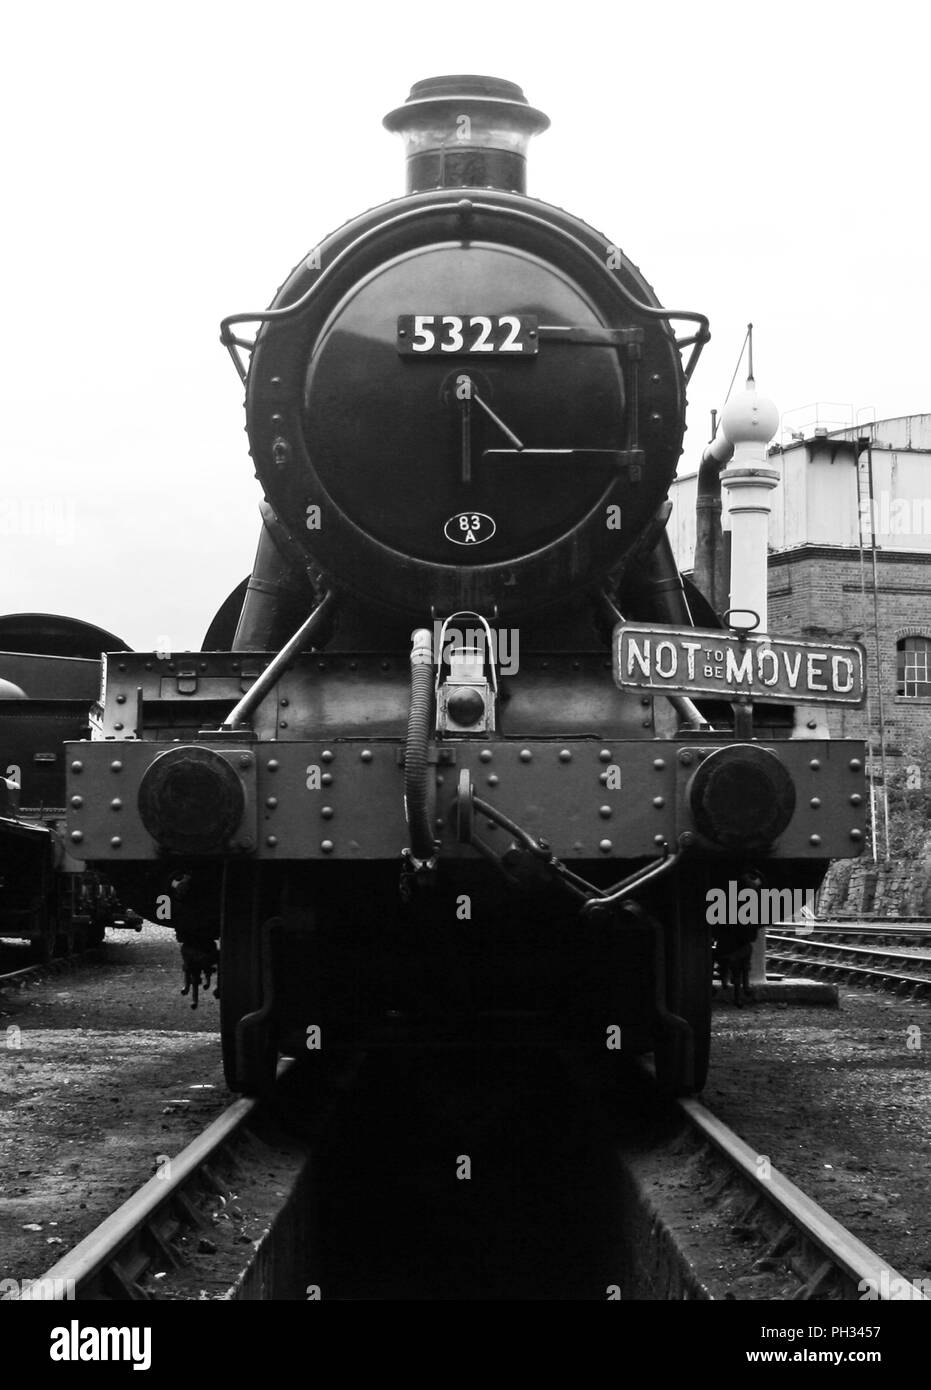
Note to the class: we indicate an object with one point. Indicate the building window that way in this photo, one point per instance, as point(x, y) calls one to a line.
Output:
point(913, 667)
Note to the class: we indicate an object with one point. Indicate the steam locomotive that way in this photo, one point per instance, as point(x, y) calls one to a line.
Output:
point(49, 676)
point(465, 408)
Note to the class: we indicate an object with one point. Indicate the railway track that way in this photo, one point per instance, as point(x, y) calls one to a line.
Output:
point(13, 979)
point(826, 1261)
point(166, 1222)
point(115, 1259)
point(90, 954)
point(890, 930)
point(883, 966)
point(780, 1228)
point(58, 965)
point(861, 919)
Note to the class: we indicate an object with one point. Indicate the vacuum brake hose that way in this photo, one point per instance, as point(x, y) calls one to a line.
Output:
point(416, 765)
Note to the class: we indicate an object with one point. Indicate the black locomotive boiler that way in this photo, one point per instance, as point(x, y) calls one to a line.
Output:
point(404, 783)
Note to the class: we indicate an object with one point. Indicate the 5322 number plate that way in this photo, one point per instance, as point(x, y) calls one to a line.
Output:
point(448, 335)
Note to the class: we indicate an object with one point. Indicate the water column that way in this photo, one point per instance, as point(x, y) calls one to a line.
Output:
point(748, 422)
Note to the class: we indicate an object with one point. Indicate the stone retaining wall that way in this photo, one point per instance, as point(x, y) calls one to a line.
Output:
point(891, 889)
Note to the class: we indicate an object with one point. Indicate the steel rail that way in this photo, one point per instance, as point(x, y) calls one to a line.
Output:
point(842, 1249)
point(812, 958)
point(28, 972)
point(801, 931)
point(864, 919)
point(75, 1274)
point(856, 972)
point(804, 940)
point(41, 970)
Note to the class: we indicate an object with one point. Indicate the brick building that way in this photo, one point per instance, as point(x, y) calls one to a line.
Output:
point(851, 504)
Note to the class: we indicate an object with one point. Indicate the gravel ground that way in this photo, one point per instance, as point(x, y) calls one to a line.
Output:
point(840, 1101)
point(87, 1110)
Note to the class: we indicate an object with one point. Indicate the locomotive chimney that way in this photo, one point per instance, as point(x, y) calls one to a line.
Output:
point(466, 132)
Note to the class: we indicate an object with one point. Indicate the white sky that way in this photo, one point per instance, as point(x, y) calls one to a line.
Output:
point(166, 165)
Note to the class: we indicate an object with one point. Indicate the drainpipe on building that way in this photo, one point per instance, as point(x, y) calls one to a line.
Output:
point(865, 445)
point(710, 569)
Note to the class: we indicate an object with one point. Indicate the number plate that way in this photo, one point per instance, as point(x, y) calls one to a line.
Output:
point(695, 661)
point(455, 335)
